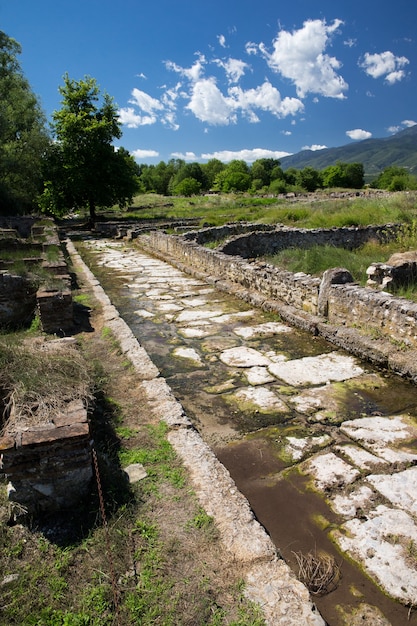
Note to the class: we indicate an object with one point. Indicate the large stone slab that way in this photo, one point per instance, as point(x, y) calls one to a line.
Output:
point(317, 370)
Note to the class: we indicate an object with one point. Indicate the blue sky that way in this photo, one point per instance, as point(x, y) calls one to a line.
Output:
point(228, 79)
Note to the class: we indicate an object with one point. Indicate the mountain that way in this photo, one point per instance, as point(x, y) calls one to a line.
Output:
point(375, 154)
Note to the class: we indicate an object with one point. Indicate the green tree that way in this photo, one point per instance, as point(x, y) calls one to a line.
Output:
point(187, 187)
point(211, 169)
point(235, 177)
point(84, 169)
point(309, 178)
point(23, 134)
point(347, 175)
point(394, 178)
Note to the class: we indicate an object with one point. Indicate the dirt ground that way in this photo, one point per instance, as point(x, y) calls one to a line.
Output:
point(152, 556)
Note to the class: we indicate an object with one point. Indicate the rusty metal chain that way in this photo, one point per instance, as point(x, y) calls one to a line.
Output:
point(107, 537)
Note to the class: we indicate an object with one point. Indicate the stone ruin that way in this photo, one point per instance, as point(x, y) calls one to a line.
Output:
point(399, 271)
point(42, 284)
point(48, 464)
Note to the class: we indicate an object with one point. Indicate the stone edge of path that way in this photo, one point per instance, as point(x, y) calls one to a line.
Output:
point(269, 582)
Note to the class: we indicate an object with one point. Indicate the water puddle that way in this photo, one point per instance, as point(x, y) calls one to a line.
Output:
point(306, 431)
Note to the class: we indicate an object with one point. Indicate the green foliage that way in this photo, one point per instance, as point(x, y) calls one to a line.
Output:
point(187, 187)
point(395, 178)
point(23, 135)
point(83, 168)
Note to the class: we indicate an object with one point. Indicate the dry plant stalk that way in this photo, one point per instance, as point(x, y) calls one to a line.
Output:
point(318, 571)
point(38, 383)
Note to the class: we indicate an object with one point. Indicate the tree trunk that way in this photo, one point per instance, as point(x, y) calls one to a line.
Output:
point(92, 209)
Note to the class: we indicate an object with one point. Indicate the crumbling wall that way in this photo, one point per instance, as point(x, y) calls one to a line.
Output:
point(347, 305)
point(48, 466)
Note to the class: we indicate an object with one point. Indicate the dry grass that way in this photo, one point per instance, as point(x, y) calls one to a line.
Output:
point(318, 571)
point(38, 378)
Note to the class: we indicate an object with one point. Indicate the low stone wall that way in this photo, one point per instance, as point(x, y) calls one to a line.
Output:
point(298, 290)
point(376, 314)
point(17, 299)
point(256, 243)
point(49, 467)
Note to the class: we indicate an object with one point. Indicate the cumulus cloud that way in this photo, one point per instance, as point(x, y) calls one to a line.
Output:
point(384, 64)
point(358, 134)
point(300, 56)
point(408, 123)
point(209, 105)
point(193, 73)
point(234, 68)
point(144, 154)
point(129, 118)
point(265, 98)
point(185, 156)
point(245, 155)
point(393, 129)
point(314, 147)
point(222, 40)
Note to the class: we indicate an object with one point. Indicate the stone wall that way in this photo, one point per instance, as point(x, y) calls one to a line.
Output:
point(17, 299)
point(256, 243)
point(374, 313)
point(49, 466)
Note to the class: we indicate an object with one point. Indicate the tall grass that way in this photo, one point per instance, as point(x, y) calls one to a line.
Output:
point(306, 213)
point(317, 259)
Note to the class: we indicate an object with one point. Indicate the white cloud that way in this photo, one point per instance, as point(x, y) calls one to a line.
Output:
point(266, 98)
point(358, 134)
point(222, 40)
point(209, 105)
point(145, 102)
point(234, 68)
point(144, 154)
point(129, 118)
point(287, 133)
point(384, 64)
point(300, 56)
point(251, 48)
point(314, 147)
point(409, 123)
point(245, 155)
point(193, 73)
point(187, 156)
point(393, 129)
point(350, 42)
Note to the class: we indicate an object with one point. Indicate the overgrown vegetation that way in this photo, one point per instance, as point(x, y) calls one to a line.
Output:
point(37, 380)
point(153, 556)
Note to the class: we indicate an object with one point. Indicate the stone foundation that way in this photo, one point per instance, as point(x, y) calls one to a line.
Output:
point(348, 306)
point(48, 466)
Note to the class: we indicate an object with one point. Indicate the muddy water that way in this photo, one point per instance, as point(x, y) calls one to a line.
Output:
point(263, 421)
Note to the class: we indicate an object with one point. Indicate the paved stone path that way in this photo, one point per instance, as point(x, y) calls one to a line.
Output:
point(237, 370)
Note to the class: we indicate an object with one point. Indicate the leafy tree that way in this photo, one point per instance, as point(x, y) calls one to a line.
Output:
point(23, 135)
point(84, 168)
point(187, 187)
point(189, 170)
point(395, 178)
point(309, 178)
point(235, 177)
point(348, 175)
point(211, 169)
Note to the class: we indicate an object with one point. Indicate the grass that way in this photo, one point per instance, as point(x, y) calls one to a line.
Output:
point(159, 558)
point(215, 210)
point(317, 259)
point(36, 382)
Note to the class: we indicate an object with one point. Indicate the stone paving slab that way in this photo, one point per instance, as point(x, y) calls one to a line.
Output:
point(354, 463)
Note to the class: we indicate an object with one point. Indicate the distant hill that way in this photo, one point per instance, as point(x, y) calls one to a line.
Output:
point(375, 154)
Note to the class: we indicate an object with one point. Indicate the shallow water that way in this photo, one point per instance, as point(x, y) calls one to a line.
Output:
point(248, 414)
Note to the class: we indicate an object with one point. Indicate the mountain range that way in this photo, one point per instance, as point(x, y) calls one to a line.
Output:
point(375, 154)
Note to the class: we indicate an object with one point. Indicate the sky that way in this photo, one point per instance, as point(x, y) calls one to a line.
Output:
point(228, 79)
